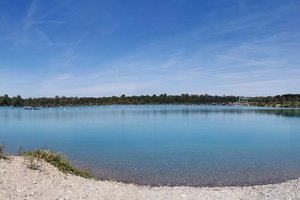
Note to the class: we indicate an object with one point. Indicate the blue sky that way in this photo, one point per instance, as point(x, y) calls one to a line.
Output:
point(133, 47)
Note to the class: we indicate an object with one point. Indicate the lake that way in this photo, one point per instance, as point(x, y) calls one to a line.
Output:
point(165, 144)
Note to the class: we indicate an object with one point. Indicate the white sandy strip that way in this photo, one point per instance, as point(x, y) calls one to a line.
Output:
point(19, 182)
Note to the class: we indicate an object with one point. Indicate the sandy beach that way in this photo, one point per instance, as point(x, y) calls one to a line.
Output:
point(19, 182)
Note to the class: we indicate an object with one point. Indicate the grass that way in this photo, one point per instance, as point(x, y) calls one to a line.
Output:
point(56, 159)
point(2, 155)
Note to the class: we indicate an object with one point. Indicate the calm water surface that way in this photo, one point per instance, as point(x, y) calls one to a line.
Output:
point(165, 145)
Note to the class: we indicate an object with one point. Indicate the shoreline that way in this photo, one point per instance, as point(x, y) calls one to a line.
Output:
point(283, 100)
point(19, 182)
point(194, 186)
point(145, 104)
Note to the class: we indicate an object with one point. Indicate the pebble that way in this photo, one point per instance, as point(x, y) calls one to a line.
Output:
point(183, 195)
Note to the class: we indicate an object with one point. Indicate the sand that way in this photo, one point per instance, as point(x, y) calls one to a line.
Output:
point(19, 182)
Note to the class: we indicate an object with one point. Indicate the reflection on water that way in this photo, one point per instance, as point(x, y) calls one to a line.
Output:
point(169, 145)
point(80, 112)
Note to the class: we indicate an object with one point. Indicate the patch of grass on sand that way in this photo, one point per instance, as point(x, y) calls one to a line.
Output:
point(2, 155)
point(56, 159)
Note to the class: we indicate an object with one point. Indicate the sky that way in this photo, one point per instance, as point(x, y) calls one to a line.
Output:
point(142, 47)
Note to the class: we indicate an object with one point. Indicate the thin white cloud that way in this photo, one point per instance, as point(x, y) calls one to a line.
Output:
point(241, 56)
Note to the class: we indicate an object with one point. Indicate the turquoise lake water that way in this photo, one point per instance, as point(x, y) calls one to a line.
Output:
point(165, 145)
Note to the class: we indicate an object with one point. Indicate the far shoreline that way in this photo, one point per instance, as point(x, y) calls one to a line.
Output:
point(284, 100)
point(153, 105)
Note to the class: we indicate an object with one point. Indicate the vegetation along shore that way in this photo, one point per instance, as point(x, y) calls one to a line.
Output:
point(286, 100)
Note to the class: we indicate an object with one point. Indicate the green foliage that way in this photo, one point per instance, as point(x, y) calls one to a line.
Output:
point(2, 155)
point(124, 100)
point(21, 151)
point(34, 163)
point(17, 101)
point(5, 100)
point(56, 159)
point(287, 100)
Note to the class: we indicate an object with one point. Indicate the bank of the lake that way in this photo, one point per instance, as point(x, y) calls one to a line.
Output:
point(18, 182)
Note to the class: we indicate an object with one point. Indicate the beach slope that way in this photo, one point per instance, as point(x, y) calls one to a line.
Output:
point(19, 182)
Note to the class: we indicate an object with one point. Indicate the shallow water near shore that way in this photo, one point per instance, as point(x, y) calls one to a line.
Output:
point(165, 144)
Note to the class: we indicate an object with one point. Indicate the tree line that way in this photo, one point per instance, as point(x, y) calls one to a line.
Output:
point(287, 100)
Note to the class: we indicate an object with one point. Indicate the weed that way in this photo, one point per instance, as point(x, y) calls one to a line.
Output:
point(2, 154)
point(34, 163)
point(21, 151)
point(56, 159)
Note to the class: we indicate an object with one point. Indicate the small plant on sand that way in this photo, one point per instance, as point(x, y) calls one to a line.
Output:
point(56, 159)
point(21, 151)
point(2, 155)
point(34, 163)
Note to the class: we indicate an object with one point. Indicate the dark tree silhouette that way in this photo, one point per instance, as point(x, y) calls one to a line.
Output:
point(286, 100)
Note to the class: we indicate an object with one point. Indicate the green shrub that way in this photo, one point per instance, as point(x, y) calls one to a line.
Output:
point(2, 155)
point(34, 164)
point(56, 159)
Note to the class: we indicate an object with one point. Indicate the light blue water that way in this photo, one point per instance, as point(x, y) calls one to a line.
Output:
point(165, 145)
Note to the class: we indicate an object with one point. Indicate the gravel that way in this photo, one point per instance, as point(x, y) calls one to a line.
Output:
point(19, 182)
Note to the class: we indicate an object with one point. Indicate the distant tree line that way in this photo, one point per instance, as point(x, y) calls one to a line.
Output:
point(287, 100)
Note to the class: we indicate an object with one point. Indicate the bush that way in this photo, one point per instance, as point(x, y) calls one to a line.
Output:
point(56, 159)
point(2, 155)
